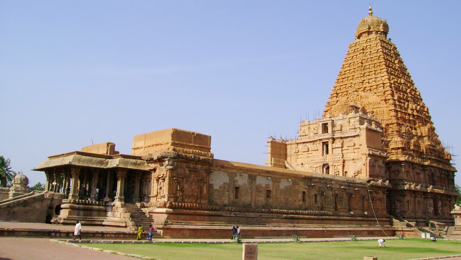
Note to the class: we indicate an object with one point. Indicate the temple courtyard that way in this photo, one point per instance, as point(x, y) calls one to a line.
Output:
point(22, 247)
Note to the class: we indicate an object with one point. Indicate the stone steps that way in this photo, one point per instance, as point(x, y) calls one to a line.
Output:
point(138, 216)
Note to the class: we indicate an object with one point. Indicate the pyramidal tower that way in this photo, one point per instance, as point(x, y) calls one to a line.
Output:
point(376, 126)
point(374, 78)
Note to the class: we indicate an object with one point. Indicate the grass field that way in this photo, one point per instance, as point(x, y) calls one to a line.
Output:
point(395, 249)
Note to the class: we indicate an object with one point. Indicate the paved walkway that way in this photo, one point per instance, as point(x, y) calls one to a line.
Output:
point(19, 248)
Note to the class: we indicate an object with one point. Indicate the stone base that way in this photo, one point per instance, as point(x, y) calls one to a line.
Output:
point(85, 211)
point(62, 234)
point(180, 231)
point(166, 216)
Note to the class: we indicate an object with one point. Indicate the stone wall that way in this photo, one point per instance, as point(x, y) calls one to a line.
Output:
point(107, 148)
point(249, 186)
point(4, 193)
point(172, 140)
point(33, 207)
point(195, 192)
point(347, 145)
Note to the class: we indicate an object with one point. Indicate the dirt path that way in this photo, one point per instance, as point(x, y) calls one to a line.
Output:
point(18, 248)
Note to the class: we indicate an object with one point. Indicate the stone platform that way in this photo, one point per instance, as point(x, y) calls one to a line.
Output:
point(310, 231)
point(27, 229)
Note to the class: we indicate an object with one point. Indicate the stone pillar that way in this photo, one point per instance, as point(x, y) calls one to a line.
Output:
point(75, 172)
point(252, 180)
point(53, 181)
point(329, 197)
point(48, 182)
point(137, 183)
point(206, 181)
point(58, 181)
point(108, 186)
point(94, 183)
point(148, 192)
point(232, 192)
point(456, 213)
point(275, 190)
point(168, 189)
point(153, 189)
point(66, 181)
point(85, 183)
point(121, 174)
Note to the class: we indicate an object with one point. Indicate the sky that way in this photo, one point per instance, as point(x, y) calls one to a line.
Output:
point(74, 73)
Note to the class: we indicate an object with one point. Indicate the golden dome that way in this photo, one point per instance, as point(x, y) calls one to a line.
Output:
point(372, 25)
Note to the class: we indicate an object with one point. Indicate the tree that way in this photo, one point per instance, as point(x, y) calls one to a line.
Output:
point(6, 174)
point(38, 187)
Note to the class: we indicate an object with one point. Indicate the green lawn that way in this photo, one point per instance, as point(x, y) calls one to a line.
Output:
point(395, 249)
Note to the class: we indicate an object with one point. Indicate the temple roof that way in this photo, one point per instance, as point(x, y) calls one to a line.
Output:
point(84, 159)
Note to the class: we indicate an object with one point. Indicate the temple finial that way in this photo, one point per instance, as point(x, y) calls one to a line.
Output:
point(370, 11)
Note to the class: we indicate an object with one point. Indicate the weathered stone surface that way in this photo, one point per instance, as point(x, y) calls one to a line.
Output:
point(107, 148)
point(4, 193)
point(250, 252)
point(19, 186)
point(347, 145)
point(175, 140)
point(30, 207)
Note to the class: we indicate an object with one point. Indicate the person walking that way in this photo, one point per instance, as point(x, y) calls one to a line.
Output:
point(151, 232)
point(78, 230)
point(234, 232)
point(140, 230)
point(238, 233)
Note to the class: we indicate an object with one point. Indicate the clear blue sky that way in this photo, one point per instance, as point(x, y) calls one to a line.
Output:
point(77, 72)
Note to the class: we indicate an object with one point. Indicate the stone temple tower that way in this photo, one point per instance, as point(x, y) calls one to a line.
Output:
point(373, 78)
point(376, 127)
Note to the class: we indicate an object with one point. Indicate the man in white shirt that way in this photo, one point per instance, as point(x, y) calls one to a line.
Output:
point(77, 230)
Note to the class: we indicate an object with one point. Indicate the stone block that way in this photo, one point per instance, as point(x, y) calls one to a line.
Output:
point(107, 148)
point(250, 252)
point(172, 140)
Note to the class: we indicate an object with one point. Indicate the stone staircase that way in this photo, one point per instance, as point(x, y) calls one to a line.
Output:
point(30, 207)
point(435, 229)
point(137, 216)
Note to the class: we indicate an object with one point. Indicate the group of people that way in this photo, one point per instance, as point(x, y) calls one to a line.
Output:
point(235, 233)
point(141, 230)
point(78, 231)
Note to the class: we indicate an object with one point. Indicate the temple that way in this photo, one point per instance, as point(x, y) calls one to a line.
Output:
point(372, 164)
point(375, 125)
